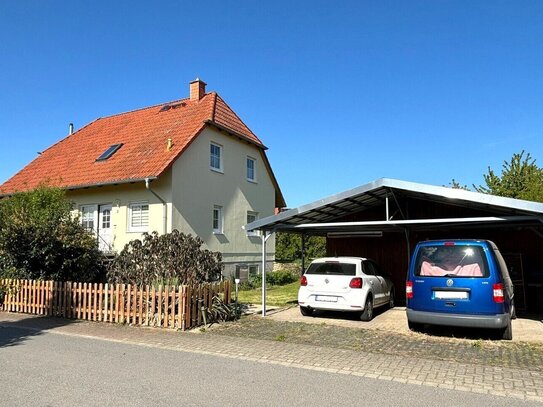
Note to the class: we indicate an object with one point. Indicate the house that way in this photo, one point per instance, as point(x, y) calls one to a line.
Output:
point(190, 164)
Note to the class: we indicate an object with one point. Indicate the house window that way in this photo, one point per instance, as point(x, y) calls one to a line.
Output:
point(106, 219)
point(251, 169)
point(215, 157)
point(217, 220)
point(253, 270)
point(88, 217)
point(251, 217)
point(138, 214)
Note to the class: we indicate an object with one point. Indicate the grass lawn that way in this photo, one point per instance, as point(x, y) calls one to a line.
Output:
point(275, 295)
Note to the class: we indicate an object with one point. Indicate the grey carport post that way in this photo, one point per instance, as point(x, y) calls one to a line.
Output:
point(265, 235)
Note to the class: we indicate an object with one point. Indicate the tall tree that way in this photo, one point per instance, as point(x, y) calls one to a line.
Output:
point(520, 178)
point(288, 246)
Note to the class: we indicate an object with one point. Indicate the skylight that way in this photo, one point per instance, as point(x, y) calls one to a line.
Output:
point(109, 152)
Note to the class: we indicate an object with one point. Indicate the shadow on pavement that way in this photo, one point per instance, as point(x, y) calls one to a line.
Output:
point(13, 333)
point(348, 316)
point(533, 317)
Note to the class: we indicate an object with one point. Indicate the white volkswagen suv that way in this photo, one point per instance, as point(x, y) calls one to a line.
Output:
point(351, 284)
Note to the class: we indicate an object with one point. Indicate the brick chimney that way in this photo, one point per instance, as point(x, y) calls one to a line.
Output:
point(197, 89)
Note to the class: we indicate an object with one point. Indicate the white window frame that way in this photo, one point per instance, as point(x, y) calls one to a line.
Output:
point(249, 158)
point(220, 219)
point(138, 229)
point(94, 209)
point(255, 214)
point(221, 155)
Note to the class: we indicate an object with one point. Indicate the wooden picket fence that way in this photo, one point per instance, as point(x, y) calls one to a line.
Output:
point(175, 307)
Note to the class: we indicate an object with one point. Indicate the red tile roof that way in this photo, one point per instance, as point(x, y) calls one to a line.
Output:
point(71, 163)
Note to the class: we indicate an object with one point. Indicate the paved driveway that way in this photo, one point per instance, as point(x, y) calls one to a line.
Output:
point(394, 320)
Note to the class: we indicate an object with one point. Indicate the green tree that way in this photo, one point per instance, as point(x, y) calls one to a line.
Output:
point(40, 239)
point(520, 178)
point(171, 258)
point(288, 246)
point(454, 184)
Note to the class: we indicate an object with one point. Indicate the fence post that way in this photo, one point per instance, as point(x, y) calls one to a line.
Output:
point(160, 305)
point(140, 292)
point(122, 303)
point(147, 304)
point(166, 304)
point(25, 296)
point(134, 304)
point(188, 305)
point(69, 298)
point(153, 300)
point(100, 303)
point(42, 297)
point(74, 299)
point(106, 302)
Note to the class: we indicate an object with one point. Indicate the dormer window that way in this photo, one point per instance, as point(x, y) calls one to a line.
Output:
point(109, 152)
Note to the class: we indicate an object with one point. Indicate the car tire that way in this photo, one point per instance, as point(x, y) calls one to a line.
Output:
point(514, 310)
point(306, 311)
point(507, 332)
point(391, 299)
point(367, 314)
point(414, 326)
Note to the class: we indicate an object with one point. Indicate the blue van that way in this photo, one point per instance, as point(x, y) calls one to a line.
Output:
point(463, 283)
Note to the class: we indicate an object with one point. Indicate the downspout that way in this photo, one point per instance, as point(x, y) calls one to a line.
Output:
point(164, 206)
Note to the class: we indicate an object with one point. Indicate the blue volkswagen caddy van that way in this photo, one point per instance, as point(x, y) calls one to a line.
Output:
point(463, 283)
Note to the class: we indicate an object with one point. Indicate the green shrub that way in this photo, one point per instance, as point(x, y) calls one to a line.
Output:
point(280, 277)
point(41, 240)
point(165, 259)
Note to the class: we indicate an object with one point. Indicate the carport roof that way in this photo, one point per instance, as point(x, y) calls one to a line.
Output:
point(322, 216)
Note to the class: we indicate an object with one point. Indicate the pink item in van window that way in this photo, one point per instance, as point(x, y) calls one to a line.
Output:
point(469, 270)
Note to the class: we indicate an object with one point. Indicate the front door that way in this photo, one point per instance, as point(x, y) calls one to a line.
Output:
point(104, 229)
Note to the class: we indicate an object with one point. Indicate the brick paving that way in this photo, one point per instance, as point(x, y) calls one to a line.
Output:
point(519, 380)
point(519, 355)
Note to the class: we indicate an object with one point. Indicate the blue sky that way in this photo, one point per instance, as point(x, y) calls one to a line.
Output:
point(342, 93)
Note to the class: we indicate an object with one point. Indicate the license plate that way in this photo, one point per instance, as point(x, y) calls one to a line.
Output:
point(451, 295)
point(325, 298)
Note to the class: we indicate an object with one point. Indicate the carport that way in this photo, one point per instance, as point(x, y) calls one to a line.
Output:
point(384, 220)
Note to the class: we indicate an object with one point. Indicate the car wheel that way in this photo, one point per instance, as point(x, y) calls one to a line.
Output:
point(391, 299)
point(507, 332)
point(514, 312)
point(414, 326)
point(306, 312)
point(367, 314)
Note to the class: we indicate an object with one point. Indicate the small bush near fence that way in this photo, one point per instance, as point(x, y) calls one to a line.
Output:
point(280, 277)
point(178, 307)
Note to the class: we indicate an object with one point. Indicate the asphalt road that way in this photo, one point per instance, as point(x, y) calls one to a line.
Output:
point(59, 370)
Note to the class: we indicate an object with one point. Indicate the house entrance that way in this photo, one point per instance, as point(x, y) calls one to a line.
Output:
point(104, 228)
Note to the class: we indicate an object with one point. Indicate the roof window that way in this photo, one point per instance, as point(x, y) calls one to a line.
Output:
point(109, 152)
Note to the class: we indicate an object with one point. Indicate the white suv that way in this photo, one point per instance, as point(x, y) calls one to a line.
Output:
point(351, 284)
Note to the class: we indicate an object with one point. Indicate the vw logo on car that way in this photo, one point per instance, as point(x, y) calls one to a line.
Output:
point(450, 282)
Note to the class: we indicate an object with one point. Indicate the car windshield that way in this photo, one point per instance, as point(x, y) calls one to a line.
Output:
point(451, 261)
point(332, 268)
